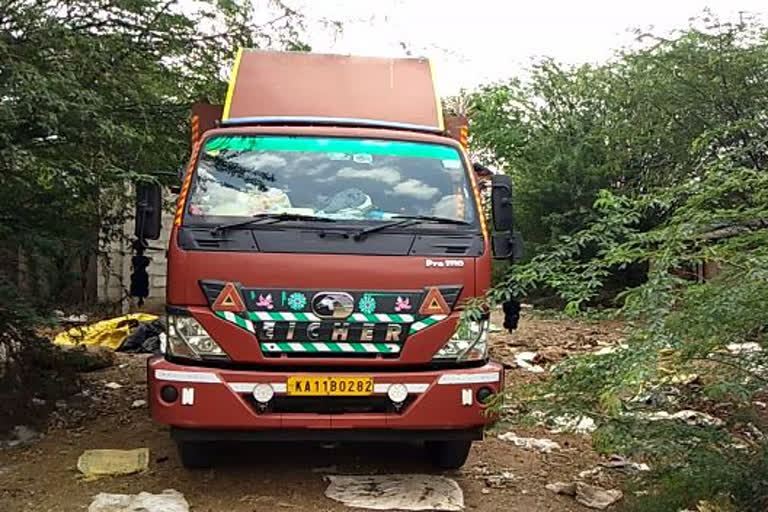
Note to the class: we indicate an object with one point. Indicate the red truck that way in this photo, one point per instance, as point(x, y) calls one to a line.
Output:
point(327, 234)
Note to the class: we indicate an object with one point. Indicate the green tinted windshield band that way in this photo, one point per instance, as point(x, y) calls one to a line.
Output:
point(315, 145)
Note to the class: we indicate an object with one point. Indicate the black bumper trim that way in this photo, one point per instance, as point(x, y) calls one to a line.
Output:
point(184, 434)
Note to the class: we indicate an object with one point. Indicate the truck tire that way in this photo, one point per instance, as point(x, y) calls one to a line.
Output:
point(448, 454)
point(195, 455)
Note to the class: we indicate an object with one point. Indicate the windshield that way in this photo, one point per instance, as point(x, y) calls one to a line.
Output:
point(339, 178)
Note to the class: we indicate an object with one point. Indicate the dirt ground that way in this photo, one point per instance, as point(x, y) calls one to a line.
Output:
point(288, 476)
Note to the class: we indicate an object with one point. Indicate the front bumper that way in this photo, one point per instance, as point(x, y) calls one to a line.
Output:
point(213, 399)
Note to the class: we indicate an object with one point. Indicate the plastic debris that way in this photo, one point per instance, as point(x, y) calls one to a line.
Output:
point(98, 463)
point(623, 465)
point(530, 443)
point(168, 501)
point(588, 495)
point(744, 348)
point(610, 349)
point(526, 360)
point(575, 424)
point(113, 385)
point(398, 492)
point(693, 418)
point(136, 404)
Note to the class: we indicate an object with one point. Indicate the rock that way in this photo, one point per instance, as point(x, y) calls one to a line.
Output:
point(588, 495)
point(596, 497)
point(590, 473)
point(485, 490)
point(136, 404)
point(399, 492)
point(168, 501)
point(500, 480)
point(562, 488)
point(530, 443)
point(61, 404)
point(89, 358)
point(38, 402)
point(22, 434)
point(113, 385)
point(97, 463)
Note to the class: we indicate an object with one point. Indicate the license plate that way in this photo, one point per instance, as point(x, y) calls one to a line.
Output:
point(329, 386)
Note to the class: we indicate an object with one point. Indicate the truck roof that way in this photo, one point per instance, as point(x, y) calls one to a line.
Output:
point(280, 87)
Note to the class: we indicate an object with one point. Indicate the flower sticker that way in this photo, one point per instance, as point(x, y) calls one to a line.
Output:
point(297, 301)
point(367, 304)
point(265, 302)
point(402, 304)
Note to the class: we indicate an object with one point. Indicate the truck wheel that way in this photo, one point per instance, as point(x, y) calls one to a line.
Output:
point(195, 455)
point(448, 454)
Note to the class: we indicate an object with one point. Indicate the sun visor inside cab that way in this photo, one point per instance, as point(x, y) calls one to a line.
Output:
point(297, 85)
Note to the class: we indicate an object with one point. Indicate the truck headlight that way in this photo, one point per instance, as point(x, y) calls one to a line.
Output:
point(187, 338)
point(468, 343)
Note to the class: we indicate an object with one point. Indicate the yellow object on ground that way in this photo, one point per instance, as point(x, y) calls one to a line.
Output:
point(107, 333)
point(97, 463)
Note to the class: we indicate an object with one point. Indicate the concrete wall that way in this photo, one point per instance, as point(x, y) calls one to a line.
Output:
point(114, 269)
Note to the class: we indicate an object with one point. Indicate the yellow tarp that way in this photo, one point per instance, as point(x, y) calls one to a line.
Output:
point(107, 333)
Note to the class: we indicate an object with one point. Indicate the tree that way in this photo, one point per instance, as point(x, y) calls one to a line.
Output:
point(676, 134)
point(94, 94)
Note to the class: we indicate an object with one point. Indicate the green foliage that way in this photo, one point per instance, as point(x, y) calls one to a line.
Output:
point(97, 94)
point(671, 140)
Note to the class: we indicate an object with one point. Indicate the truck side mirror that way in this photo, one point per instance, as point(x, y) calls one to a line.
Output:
point(505, 243)
point(149, 209)
point(501, 202)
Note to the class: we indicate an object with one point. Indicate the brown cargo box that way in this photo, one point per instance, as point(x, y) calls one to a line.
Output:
point(274, 86)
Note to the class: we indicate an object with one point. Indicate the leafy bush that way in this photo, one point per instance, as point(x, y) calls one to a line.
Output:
point(677, 129)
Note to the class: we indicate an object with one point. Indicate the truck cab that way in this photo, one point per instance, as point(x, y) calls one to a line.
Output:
point(327, 236)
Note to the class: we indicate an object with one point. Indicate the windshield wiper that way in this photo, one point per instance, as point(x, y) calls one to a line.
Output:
point(407, 221)
point(269, 218)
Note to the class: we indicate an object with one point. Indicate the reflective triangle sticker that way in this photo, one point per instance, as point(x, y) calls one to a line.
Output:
point(434, 304)
point(229, 300)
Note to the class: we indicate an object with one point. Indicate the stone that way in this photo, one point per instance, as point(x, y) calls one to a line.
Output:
point(23, 434)
point(136, 404)
point(398, 492)
point(169, 500)
point(113, 385)
point(588, 495)
point(596, 497)
point(98, 463)
point(569, 489)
